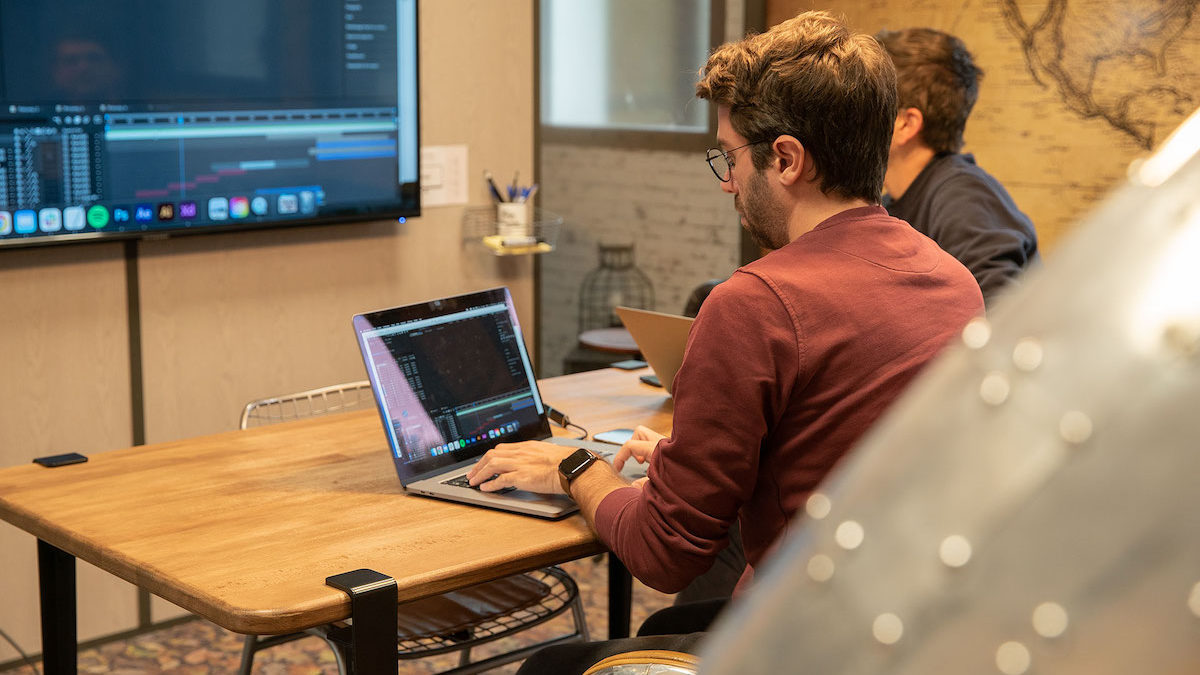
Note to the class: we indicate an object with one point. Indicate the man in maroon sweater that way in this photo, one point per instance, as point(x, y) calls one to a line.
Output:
point(794, 357)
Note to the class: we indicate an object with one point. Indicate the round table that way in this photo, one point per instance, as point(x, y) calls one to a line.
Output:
point(613, 340)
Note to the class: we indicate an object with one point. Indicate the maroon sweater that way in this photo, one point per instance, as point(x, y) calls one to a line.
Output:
point(789, 362)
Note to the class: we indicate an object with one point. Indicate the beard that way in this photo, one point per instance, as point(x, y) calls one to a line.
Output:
point(763, 218)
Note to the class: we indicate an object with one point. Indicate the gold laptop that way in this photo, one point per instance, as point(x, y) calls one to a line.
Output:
point(660, 337)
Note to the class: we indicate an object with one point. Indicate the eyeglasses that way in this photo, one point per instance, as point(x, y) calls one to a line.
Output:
point(721, 161)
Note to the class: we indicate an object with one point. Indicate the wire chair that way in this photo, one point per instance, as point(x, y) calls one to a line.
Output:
point(311, 403)
point(451, 622)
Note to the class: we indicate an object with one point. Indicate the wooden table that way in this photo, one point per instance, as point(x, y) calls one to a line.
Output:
point(243, 528)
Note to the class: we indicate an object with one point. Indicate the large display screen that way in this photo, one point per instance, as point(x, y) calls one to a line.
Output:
point(164, 116)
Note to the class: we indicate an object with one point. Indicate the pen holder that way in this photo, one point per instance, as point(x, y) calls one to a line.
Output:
point(512, 220)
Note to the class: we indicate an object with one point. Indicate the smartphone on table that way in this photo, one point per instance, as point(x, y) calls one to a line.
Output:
point(614, 436)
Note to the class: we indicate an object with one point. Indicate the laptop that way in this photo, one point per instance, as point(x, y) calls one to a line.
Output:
point(660, 337)
point(452, 379)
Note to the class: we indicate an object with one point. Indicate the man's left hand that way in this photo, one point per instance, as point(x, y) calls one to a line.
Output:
point(531, 465)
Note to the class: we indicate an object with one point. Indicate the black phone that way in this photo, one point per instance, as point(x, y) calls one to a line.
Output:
point(61, 460)
point(651, 380)
point(614, 436)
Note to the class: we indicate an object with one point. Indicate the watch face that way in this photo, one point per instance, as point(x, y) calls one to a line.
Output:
point(575, 463)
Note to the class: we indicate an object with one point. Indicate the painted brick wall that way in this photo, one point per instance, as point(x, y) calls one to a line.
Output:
point(667, 204)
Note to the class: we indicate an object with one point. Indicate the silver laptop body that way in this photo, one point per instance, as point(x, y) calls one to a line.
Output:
point(452, 379)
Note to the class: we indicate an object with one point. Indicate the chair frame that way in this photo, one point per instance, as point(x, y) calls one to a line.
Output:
point(310, 403)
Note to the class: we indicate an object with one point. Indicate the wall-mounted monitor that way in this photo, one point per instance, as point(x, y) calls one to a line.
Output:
point(141, 117)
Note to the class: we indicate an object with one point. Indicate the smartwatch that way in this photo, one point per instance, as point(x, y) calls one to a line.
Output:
point(573, 466)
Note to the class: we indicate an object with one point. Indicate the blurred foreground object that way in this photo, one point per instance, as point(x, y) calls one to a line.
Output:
point(1032, 504)
point(646, 662)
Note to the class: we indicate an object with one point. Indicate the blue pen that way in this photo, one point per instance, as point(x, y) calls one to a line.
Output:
point(528, 193)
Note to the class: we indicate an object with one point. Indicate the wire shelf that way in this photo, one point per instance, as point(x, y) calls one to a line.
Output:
point(480, 224)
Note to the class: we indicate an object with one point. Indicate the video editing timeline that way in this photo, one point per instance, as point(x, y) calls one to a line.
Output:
point(454, 381)
point(225, 166)
point(255, 163)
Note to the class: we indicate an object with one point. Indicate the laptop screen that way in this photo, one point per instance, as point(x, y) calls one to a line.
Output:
point(452, 379)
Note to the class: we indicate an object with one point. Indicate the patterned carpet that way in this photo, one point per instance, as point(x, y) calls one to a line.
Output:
point(202, 648)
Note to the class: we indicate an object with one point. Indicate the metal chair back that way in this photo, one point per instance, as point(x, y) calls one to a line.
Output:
point(321, 401)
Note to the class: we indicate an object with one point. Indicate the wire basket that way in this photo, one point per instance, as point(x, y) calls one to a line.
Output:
point(481, 224)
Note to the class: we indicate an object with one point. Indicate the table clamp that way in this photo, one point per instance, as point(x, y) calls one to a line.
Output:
point(370, 637)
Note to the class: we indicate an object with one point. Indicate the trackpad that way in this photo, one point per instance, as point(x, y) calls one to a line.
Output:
point(633, 471)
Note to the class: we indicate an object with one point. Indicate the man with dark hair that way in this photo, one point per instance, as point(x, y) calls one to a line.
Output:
point(792, 358)
point(941, 192)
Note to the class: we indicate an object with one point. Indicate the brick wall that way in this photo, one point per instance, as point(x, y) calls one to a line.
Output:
point(667, 204)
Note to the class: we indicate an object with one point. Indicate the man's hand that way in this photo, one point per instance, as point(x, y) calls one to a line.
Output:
point(531, 465)
point(639, 446)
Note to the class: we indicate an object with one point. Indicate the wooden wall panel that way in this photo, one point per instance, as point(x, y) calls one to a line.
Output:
point(65, 350)
point(64, 387)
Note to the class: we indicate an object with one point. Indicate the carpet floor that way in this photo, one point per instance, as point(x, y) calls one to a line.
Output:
point(202, 648)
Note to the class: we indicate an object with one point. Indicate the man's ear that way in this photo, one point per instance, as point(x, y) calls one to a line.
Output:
point(909, 123)
point(790, 158)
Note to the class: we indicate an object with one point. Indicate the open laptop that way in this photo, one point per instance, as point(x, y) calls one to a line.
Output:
point(660, 337)
point(452, 379)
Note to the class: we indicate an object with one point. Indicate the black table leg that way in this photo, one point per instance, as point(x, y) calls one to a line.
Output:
point(372, 634)
point(56, 582)
point(620, 598)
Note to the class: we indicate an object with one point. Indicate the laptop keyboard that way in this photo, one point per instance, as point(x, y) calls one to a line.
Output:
point(461, 481)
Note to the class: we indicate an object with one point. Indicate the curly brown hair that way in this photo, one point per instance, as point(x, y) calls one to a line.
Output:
point(936, 75)
point(812, 78)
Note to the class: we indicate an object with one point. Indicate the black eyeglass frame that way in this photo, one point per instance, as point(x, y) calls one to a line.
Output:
point(714, 153)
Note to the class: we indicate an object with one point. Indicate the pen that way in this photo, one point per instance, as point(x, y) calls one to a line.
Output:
point(528, 192)
point(487, 175)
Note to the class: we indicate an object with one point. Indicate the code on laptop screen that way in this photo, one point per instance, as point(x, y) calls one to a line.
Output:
point(453, 382)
